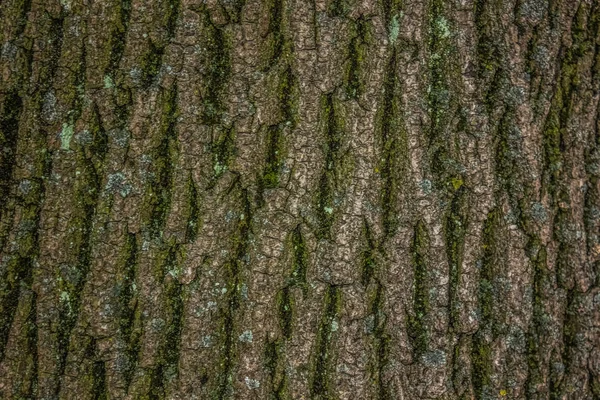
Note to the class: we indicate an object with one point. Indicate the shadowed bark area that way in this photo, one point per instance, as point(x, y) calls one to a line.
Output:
point(281, 199)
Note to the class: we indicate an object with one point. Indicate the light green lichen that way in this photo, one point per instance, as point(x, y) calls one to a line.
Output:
point(65, 136)
point(394, 29)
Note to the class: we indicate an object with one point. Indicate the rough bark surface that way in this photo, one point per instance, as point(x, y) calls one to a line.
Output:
point(284, 199)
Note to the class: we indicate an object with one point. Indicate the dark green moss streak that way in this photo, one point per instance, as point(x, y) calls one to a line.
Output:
point(356, 57)
point(87, 190)
point(562, 102)
point(19, 266)
point(223, 149)
point(95, 375)
point(166, 367)
point(393, 143)
point(158, 191)
point(338, 8)
point(275, 133)
point(117, 36)
point(217, 70)
point(152, 58)
point(320, 388)
point(193, 211)
point(381, 342)
point(417, 326)
point(369, 265)
point(273, 365)
point(327, 182)
point(454, 231)
point(391, 9)
point(439, 98)
point(539, 329)
point(126, 311)
point(481, 351)
point(233, 276)
point(9, 128)
point(275, 37)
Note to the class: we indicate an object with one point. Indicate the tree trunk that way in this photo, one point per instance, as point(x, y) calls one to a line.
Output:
point(285, 199)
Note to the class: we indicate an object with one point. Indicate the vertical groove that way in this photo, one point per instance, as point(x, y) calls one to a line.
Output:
point(321, 380)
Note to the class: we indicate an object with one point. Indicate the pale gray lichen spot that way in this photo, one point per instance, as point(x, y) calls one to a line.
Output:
point(394, 29)
point(425, 185)
point(120, 136)
point(328, 210)
point(207, 341)
point(84, 138)
point(65, 136)
point(334, 325)
point(435, 358)
point(246, 337)
point(25, 186)
point(538, 212)
point(252, 383)
point(117, 182)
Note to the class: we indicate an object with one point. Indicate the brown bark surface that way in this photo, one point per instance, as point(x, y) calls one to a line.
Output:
point(286, 199)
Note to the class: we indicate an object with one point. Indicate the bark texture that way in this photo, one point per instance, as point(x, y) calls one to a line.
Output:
point(289, 199)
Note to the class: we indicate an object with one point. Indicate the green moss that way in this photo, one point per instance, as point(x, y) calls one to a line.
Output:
point(481, 351)
point(193, 211)
point(276, 369)
point(300, 259)
point(276, 40)
point(217, 67)
point(454, 232)
point(538, 256)
point(325, 195)
point(158, 190)
point(117, 36)
point(227, 313)
point(287, 89)
point(286, 312)
point(320, 386)
point(562, 103)
point(10, 115)
point(381, 345)
point(165, 368)
point(393, 142)
point(356, 58)
point(150, 63)
point(417, 322)
point(440, 99)
point(369, 265)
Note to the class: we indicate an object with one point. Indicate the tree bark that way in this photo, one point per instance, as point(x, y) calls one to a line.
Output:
point(282, 199)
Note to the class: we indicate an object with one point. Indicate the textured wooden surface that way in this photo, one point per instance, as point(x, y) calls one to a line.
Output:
point(287, 199)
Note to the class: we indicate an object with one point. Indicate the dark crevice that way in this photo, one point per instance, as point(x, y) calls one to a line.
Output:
point(159, 188)
point(275, 133)
point(127, 309)
point(233, 276)
point(481, 344)
point(417, 321)
point(193, 211)
point(393, 143)
point(454, 229)
point(217, 71)
point(356, 58)
point(321, 384)
point(166, 368)
point(369, 266)
point(381, 343)
point(117, 37)
point(327, 183)
point(87, 189)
